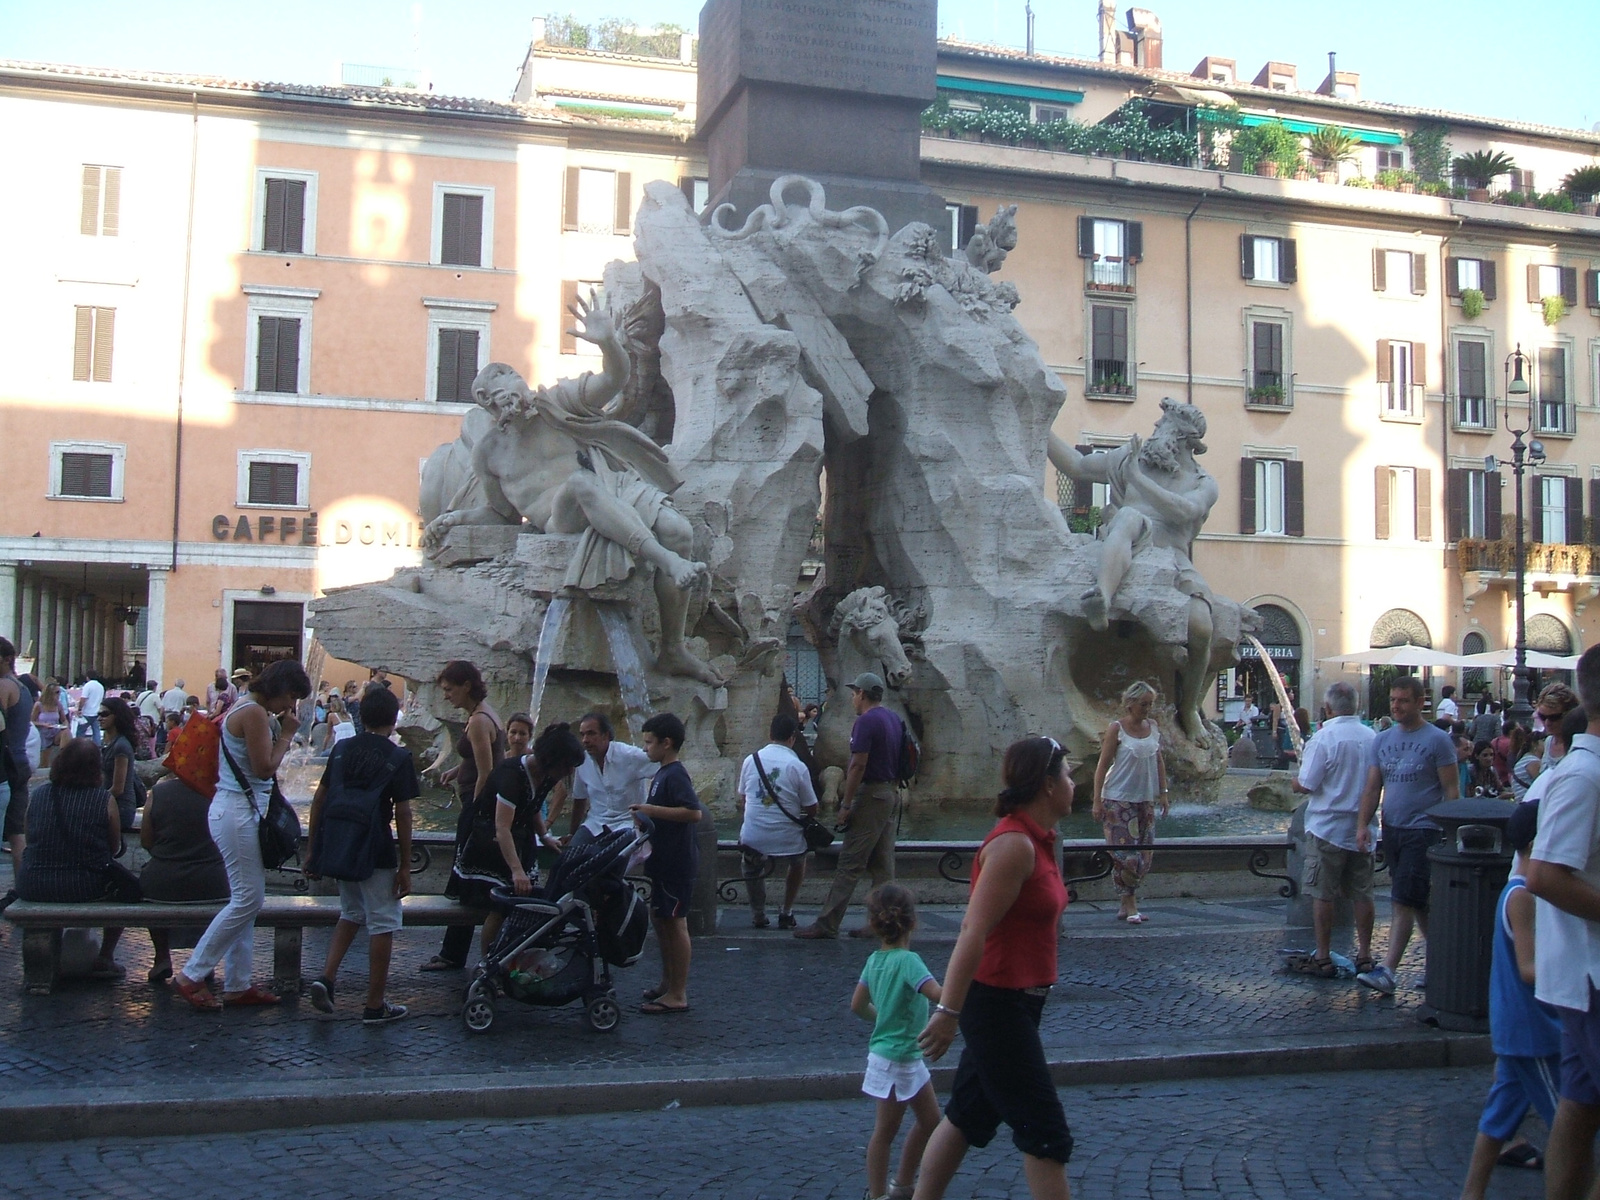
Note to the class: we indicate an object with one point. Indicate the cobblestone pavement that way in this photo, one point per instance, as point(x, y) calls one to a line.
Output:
point(1403, 1134)
point(1200, 975)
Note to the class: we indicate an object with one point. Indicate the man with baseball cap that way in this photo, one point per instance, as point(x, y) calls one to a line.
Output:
point(867, 807)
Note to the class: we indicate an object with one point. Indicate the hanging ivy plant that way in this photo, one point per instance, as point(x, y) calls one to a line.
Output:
point(1471, 303)
point(1555, 307)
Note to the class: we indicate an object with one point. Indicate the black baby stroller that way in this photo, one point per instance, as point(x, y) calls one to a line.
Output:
point(560, 944)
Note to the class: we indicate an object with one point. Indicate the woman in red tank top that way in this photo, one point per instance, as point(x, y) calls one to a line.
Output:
point(999, 976)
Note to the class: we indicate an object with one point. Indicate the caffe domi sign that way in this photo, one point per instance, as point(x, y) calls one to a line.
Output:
point(307, 531)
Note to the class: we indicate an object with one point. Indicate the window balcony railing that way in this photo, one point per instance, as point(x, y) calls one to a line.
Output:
point(1109, 377)
point(1267, 390)
point(1474, 412)
point(1541, 558)
point(1555, 416)
point(1111, 275)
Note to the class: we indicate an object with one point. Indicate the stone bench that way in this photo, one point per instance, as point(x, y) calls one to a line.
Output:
point(287, 916)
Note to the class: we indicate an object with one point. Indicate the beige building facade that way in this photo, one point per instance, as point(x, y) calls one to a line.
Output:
point(246, 313)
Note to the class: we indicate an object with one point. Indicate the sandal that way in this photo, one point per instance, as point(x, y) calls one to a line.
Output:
point(1136, 918)
point(159, 974)
point(1310, 964)
point(1523, 1155)
point(253, 996)
point(657, 1009)
point(1365, 965)
point(439, 963)
point(653, 993)
point(197, 994)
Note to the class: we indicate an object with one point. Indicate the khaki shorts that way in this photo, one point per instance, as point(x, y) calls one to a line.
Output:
point(1332, 871)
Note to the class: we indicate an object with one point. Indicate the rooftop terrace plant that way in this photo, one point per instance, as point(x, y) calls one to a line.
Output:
point(1584, 183)
point(1482, 167)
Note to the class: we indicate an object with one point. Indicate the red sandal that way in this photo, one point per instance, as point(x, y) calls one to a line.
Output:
point(197, 994)
point(252, 997)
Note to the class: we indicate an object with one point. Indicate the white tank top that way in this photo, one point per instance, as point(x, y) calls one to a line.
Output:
point(1134, 774)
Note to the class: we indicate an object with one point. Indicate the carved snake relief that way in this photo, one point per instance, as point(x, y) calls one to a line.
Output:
point(776, 215)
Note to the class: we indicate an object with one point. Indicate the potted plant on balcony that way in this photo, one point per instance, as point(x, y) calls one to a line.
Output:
point(1394, 180)
point(1328, 147)
point(1583, 185)
point(1271, 149)
point(1267, 393)
point(1480, 169)
point(1471, 303)
point(1555, 307)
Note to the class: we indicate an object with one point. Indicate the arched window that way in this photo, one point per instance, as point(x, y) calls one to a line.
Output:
point(1548, 634)
point(1474, 680)
point(1400, 627)
point(1280, 634)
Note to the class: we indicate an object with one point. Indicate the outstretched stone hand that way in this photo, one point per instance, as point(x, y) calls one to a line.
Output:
point(594, 322)
point(433, 535)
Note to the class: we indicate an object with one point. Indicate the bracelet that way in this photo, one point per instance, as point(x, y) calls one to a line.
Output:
point(954, 1012)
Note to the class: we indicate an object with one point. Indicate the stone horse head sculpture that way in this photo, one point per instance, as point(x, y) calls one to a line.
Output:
point(870, 626)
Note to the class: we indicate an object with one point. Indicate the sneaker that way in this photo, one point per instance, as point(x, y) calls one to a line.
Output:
point(382, 1016)
point(786, 921)
point(320, 992)
point(1379, 979)
point(761, 922)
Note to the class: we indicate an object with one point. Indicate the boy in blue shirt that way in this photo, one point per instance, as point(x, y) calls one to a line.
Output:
point(1525, 1034)
point(673, 863)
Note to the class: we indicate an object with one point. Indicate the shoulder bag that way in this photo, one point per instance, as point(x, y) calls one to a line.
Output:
point(277, 829)
point(818, 836)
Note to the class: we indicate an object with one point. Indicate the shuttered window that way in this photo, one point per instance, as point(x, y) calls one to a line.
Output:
point(698, 192)
point(1461, 274)
point(284, 219)
point(1109, 370)
point(1268, 259)
point(1272, 497)
point(93, 335)
point(458, 363)
point(1555, 412)
point(599, 201)
point(1473, 504)
point(274, 483)
point(571, 289)
point(1267, 376)
point(1557, 502)
point(278, 354)
point(101, 211)
point(1472, 384)
point(963, 224)
point(86, 475)
point(1111, 248)
point(1403, 509)
point(461, 230)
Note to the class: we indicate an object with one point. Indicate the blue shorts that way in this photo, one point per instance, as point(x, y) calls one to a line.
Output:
point(1519, 1084)
point(669, 895)
point(1580, 1053)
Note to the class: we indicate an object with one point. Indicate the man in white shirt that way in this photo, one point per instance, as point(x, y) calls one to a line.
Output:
point(1564, 873)
point(613, 778)
point(1447, 709)
point(1333, 771)
point(769, 834)
point(93, 695)
point(149, 704)
point(173, 699)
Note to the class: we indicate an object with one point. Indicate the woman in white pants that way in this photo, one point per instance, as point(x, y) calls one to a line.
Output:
point(256, 734)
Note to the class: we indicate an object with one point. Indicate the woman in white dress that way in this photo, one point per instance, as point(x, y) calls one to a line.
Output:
point(1130, 781)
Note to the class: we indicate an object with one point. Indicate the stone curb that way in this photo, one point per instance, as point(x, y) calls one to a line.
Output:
point(46, 1116)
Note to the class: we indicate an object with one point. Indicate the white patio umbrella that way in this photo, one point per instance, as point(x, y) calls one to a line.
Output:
point(1537, 659)
point(1397, 656)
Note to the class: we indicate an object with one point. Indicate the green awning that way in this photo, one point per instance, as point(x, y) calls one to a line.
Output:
point(987, 87)
point(615, 107)
point(1372, 137)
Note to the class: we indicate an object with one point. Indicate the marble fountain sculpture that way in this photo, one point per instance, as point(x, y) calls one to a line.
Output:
point(631, 539)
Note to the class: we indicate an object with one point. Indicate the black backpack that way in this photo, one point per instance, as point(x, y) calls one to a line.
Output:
point(352, 824)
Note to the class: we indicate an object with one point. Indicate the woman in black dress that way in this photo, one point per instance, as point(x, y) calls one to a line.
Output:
point(73, 834)
point(481, 747)
point(508, 820)
point(120, 738)
point(185, 865)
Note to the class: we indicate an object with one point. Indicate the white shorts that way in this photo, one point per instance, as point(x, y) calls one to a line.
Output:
point(371, 902)
point(890, 1080)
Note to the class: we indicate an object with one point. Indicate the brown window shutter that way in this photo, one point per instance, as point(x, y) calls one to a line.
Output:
point(1085, 237)
point(1419, 274)
point(1574, 511)
point(1385, 363)
point(1135, 241)
point(1247, 495)
point(1594, 512)
point(1535, 507)
point(74, 475)
point(111, 207)
point(466, 363)
point(294, 216)
point(1424, 513)
point(968, 226)
point(569, 207)
point(82, 342)
point(1082, 489)
point(450, 229)
point(445, 380)
point(105, 320)
point(286, 483)
point(1569, 285)
point(1533, 283)
point(259, 485)
point(623, 224)
point(1419, 364)
point(272, 218)
point(1491, 506)
point(1455, 519)
point(1382, 478)
point(266, 354)
point(288, 355)
point(1380, 270)
point(1294, 498)
point(472, 232)
point(569, 297)
point(1288, 261)
point(1247, 260)
point(1452, 277)
point(89, 217)
point(1486, 277)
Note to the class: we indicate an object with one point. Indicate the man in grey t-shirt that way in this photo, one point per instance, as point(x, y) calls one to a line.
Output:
point(1414, 768)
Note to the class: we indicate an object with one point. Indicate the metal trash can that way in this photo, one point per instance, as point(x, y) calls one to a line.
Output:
point(1467, 870)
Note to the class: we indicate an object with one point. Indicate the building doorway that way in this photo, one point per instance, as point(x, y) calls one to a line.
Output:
point(1548, 635)
point(1397, 627)
point(1280, 634)
point(265, 632)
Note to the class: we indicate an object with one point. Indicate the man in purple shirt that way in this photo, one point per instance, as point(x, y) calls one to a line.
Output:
point(868, 806)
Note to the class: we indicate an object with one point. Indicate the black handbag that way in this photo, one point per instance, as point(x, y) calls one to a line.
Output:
point(817, 835)
point(277, 829)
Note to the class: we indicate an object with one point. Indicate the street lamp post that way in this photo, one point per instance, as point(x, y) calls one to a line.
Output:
point(1522, 454)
